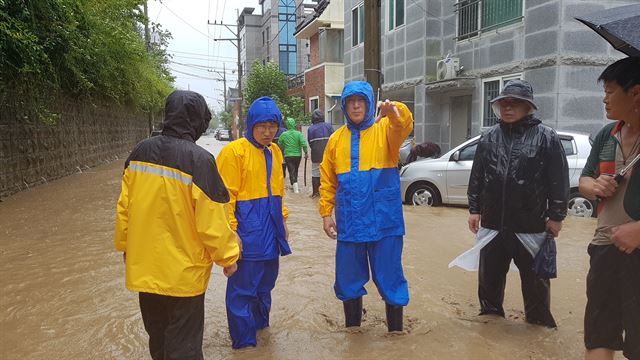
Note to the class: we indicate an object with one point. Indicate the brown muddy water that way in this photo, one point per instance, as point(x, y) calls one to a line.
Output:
point(63, 294)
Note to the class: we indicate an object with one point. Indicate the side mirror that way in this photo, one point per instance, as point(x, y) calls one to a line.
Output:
point(456, 156)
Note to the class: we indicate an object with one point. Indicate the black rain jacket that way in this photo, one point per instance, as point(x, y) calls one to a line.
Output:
point(519, 177)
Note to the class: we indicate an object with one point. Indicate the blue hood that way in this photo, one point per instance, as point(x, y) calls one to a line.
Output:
point(361, 88)
point(262, 110)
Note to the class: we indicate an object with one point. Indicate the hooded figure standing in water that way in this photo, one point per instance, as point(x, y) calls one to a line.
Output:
point(518, 189)
point(251, 170)
point(318, 136)
point(171, 226)
point(360, 181)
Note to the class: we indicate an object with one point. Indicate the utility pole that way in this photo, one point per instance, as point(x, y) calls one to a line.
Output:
point(224, 83)
point(236, 42)
point(372, 72)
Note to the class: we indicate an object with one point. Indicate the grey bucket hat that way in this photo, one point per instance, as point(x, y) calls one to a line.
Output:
point(517, 89)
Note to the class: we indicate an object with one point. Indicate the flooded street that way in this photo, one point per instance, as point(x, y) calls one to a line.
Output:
point(63, 294)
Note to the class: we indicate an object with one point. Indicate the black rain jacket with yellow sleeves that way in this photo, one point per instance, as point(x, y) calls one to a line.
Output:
point(171, 217)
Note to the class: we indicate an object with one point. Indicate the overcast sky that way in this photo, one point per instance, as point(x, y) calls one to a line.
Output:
point(197, 59)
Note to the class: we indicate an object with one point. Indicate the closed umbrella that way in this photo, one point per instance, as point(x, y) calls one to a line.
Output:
point(620, 26)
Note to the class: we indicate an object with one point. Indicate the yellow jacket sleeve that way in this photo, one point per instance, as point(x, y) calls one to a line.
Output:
point(328, 179)
point(214, 230)
point(122, 215)
point(399, 127)
point(230, 172)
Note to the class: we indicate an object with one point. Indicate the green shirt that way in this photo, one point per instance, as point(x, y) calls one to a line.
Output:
point(291, 142)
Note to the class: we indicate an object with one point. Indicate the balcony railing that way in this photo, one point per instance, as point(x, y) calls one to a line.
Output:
point(296, 81)
point(478, 16)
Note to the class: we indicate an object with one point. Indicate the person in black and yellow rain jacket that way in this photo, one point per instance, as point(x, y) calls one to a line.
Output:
point(360, 180)
point(171, 225)
point(251, 171)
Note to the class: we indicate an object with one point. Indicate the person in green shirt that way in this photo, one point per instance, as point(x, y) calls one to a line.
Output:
point(292, 143)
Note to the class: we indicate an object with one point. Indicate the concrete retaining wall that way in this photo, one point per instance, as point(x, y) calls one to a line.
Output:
point(84, 135)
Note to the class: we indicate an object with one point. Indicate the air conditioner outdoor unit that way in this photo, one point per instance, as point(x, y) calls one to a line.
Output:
point(447, 68)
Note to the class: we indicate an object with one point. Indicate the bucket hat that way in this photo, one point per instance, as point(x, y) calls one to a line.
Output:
point(517, 89)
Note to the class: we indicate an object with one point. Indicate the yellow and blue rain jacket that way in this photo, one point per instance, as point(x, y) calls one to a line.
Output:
point(253, 175)
point(359, 175)
point(171, 219)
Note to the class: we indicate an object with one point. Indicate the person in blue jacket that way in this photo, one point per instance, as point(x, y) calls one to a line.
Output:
point(250, 168)
point(360, 180)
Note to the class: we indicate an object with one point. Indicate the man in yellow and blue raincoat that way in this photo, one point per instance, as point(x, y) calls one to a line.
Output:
point(251, 170)
point(360, 181)
point(171, 225)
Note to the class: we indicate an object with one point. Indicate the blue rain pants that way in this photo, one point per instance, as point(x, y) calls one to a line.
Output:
point(248, 300)
point(385, 257)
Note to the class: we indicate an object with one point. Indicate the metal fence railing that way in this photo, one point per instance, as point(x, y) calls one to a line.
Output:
point(296, 81)
point(477, 16)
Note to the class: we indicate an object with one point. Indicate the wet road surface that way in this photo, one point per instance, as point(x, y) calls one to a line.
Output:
point(63, 294)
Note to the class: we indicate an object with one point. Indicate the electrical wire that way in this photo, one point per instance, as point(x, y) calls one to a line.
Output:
point(184, 21)
point(198, 54)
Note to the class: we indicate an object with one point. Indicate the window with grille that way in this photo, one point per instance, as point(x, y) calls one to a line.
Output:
point(476, 16)
point(490, 89)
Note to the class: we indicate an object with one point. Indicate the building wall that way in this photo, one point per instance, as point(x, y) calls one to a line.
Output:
point(403, 48)
point(252, 35)
point(314, 81)
point(561, 57)
point(315, 51)
point(353, 56)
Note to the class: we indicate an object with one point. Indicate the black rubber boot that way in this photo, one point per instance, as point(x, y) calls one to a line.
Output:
point(394, 317)
point(315, 182)
point(352, 312)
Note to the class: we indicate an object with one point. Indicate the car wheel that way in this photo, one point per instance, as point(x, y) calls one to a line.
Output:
point(424, 195)
point(580, 206)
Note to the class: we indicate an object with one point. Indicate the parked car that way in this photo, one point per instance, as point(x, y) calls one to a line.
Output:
point(432, 182)
point(223, 135)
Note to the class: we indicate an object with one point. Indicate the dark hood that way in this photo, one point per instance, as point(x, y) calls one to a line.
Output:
point(360, 88)
point(186, 115)
point(317, 116)
point(262, 110)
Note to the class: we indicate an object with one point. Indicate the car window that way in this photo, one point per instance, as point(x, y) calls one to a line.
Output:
point(468, 153)
point(567, 144)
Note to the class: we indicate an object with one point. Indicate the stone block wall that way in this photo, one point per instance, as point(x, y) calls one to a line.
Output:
point(83, 136)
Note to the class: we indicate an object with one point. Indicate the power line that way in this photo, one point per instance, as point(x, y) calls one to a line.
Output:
point(192, 75)
point(199, 54)
point(201, 59)
point(183, 20)
point(204, 67)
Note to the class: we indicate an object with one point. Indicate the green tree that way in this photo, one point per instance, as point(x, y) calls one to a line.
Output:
point(268, 80)
point(83, 49)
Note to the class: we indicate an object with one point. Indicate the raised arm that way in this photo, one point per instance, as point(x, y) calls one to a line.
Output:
point(399, 120)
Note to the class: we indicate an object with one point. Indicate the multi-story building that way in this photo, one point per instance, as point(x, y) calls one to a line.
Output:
point(268, 37)
point(250, 31)
point(486, 42)
point(324, 78)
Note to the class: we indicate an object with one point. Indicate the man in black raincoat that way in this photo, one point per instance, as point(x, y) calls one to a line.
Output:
point(518, 188)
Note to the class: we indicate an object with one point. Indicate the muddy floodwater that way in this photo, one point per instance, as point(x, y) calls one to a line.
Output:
point(63, 295)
